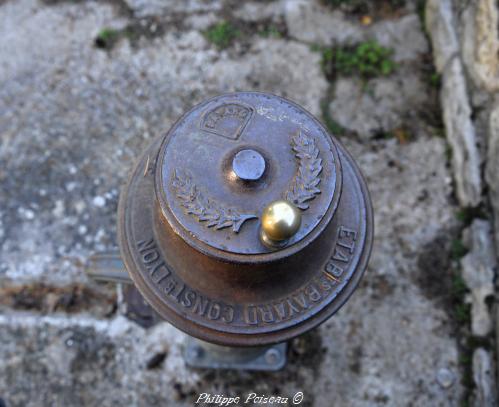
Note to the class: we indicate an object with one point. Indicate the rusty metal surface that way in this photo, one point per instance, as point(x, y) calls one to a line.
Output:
point(197, 275)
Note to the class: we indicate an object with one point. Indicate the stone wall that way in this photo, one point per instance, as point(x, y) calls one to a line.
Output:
point(465, 42)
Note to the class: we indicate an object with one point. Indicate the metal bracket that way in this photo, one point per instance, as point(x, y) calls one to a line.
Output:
point(202, 354)
point(107, 267)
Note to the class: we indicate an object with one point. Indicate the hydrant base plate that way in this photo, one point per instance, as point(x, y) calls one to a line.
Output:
point(265, 358)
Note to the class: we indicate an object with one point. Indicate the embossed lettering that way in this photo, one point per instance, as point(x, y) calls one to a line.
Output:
point(183, 295)
point(148, 251)
point(188, 299)
point(281, 312)
point(170, 286)
point(338, 255)
point(201, 305)
point(145, 245)
point(343, 250)
point(325, 283)
point(333, 269)
point(346, 238)
point(150, 256)
point(250, 315)
point(163, 277)
point(345, 232)
point(313, 293)
point(292, 308)
point(267, 313)
point(214, 312)
point(157, 267)
point(178, 295)
point(228, 314)
point(287, 308)
point(301, 300)
point(349, 246)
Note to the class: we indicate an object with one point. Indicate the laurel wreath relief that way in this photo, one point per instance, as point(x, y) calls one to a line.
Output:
point(206, 209)
point(303, 188)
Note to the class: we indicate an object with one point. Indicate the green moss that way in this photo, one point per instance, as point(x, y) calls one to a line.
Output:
point(463, 314)
point(462, 215)
point(271, 31)
point(462, 310)
point(465, 359)
point(222, 34)
point(458, 292)
point(316, 48)
point(459, 287)
point(149, 28)
point(367, 60)
point(467, 215)
point(465, 362)
point(439, 132)
point(435, 80)
point(107, 37)
point(458, 250)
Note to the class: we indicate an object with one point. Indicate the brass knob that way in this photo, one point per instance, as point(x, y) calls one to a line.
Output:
point(280, 221)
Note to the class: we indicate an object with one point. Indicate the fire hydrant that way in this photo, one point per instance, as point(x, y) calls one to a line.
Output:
point(245, 225)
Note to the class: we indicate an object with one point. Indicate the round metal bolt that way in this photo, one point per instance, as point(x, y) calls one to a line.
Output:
point(272, 356)
point(280, 221)
point(248, 165)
